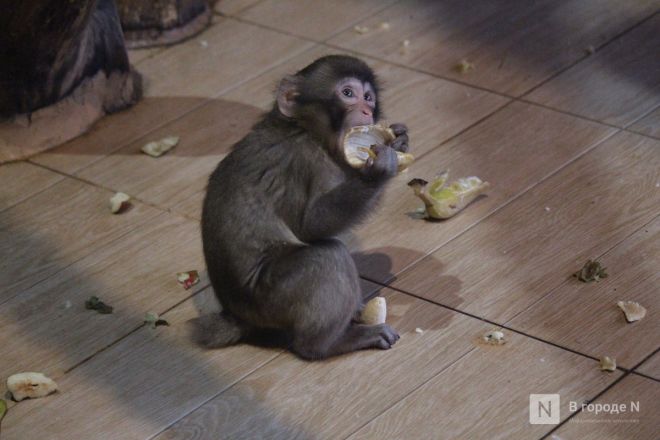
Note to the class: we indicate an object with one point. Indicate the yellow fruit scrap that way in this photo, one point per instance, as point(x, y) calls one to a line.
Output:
point(444, 201)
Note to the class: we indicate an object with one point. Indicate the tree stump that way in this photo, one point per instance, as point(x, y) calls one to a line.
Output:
point(149, 23)
point(64, 65)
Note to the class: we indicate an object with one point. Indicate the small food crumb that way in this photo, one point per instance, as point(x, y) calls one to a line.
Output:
point(384, 26)
point(361, 29)
point(188, 279)
point(591, 271)
point(607, 363)
point(546, 209)
point(119, 202)
point(405, 44)
point(153, 320)
point(158, 148)
point(30, 385)
point(657, 185)
point(419, 330)
point(94, 303)
point(494, 337)
point(464, 67)
point(204, 43)
point(634, 311)
point(375, 311)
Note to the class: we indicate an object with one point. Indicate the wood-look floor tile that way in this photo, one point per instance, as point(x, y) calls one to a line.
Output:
point(20, 180)
point(47, 328)
point(513, 149)
point(138, 387)
point(630, 424)
point(513, 258)
point(648, 125)
point(486, 394)
point(227, 53)
point(314, 20)
point(512, 45)
point(135, 56)
point(290, 398)
point(206, 136)
point(651, 367)
point(51, 230)
point(433, 109)
point(616, 85)
point(232, 7)
point(585, 317)
point(114, 131)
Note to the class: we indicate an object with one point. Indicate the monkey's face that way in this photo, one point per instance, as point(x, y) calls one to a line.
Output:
point(359, 101)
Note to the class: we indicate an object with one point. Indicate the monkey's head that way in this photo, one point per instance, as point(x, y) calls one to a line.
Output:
point(329, 96)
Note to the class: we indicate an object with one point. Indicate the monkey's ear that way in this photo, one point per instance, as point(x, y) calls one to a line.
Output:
point(286, 95)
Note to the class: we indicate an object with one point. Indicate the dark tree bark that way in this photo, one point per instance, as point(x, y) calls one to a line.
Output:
point(159, 22)
point(63, 64)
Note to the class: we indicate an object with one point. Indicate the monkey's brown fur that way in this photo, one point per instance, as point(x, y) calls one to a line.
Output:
point(272, 211)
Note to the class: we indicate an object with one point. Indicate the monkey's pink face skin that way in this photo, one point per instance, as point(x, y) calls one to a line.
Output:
point(360, 101)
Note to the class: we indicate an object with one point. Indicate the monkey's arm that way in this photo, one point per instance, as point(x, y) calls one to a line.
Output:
point(349, 202)
point(338, 209)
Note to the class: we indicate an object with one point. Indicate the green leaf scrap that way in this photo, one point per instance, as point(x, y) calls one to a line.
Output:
point(153, 320)
point(591, 271)
point(3, 409)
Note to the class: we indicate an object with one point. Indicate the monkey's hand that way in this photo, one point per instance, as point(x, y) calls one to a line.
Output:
point(400, 143)
point(381, 167)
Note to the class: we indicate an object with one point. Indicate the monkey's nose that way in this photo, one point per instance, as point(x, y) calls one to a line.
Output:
point(367, 112)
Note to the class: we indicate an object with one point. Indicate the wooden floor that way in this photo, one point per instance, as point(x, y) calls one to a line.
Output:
point(561, 114)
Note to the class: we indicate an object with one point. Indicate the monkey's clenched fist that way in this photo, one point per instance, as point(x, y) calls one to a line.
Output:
point(400, 143)
point(383, 166)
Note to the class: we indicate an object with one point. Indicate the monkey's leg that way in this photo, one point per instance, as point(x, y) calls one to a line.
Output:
point(316, 289)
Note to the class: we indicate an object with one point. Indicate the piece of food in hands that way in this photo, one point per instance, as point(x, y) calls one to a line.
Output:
point(444, 201)
point(359, 140)
point(374, 312)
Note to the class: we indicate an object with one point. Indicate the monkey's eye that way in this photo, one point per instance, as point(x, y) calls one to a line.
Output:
point(368, 97)
point(347, 92)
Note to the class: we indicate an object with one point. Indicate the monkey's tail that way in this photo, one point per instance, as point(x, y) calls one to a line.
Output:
point(217, 330)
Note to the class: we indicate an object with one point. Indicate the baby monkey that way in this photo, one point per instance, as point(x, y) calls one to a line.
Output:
point(274, 207)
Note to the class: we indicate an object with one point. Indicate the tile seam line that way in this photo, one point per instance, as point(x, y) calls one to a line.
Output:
point(506, 324)
point(239, 11)
point(159, 208)
point(130, 332)
point(304, 37)
point(471, 86)
point(646, 376)
point(224, 390)
point(524, 191)
point(118, 238)
point(567, 280)
point(438, 373)
point(603, 46)
point(205, 100)
point(602, 392)
point(6, 208)
point(490, 322)
point(638, 119)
